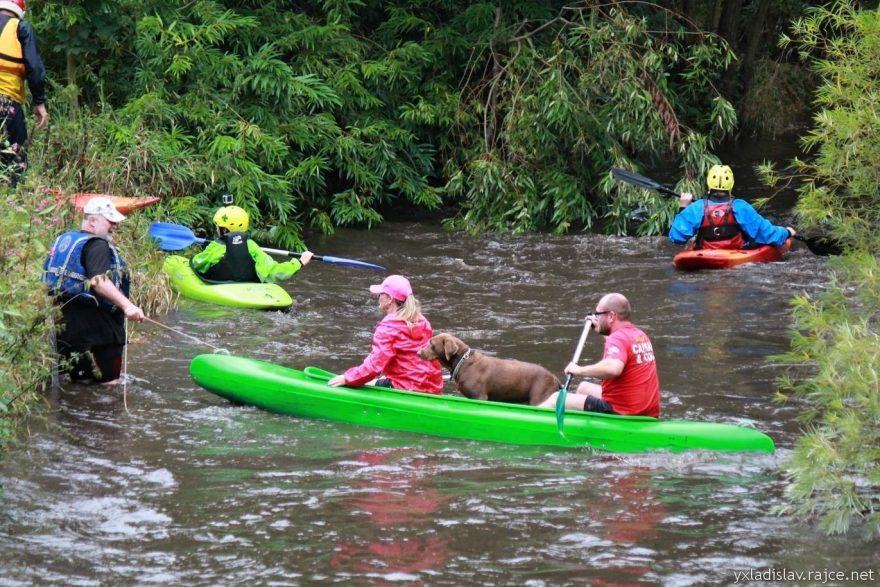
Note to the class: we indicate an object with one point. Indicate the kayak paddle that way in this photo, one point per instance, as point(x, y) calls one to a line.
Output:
point(560, 399)
point(174, 237)
point(818, 245)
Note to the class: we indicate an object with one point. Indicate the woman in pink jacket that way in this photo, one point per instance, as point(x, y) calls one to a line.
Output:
point(396, 342)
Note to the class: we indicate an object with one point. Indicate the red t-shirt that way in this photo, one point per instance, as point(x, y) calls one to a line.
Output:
point(636, 392)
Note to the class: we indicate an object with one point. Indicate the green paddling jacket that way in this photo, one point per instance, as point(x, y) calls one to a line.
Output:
point(268, 269)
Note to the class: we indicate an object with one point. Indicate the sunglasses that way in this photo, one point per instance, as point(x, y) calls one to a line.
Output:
point(601, 313)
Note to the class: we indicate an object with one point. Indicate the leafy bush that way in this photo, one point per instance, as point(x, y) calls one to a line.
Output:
point(835, 468)
point(320, 114)
point(31, 216)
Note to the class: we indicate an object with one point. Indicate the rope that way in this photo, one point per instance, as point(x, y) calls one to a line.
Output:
point(125, 356)
point(217, 349)
point(125, 370)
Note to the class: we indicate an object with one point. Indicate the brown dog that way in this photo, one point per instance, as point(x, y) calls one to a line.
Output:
point(479, 376)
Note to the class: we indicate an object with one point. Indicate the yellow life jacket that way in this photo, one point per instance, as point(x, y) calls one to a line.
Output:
point(11, 62)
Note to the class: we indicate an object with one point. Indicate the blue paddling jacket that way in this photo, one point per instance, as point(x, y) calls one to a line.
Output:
point(756, 229)
point(65, 275)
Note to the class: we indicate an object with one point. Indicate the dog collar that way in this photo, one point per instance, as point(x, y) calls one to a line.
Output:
point(463, 358)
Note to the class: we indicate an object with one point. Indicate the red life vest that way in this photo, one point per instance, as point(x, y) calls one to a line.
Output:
point(719, 229)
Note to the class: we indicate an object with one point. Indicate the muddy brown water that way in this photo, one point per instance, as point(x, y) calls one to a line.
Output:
point(188, 489)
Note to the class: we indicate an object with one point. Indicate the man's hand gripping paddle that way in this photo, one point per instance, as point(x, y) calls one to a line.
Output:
point(560, 399)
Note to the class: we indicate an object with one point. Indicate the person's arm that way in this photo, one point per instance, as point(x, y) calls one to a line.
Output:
point(104, 286)
point(268, 269)
point(212, 254)
point(35, 72)
point(604, 369)
point(759, 230)
point(686, 222)
point(96, 261)
point(380, 355)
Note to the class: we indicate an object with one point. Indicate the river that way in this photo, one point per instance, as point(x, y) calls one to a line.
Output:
point(184, 488)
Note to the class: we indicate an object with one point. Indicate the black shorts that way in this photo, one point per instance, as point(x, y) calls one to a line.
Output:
point(595, 404)
point(102, 363)
point(384, 382)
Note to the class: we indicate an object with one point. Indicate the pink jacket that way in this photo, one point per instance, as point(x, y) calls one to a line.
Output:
point(395, 356)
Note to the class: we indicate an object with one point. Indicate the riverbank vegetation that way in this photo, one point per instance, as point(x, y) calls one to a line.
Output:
point(835, 469)
point(330, 113)
point(27, 223)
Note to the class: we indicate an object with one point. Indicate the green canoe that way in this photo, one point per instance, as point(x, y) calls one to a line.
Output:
point(260, 296)
point(305, 394)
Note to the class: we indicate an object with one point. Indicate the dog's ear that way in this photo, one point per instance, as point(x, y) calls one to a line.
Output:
point(450, 347)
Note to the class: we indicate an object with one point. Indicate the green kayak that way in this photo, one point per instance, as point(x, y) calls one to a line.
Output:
point(305, 394)
point(260, 296)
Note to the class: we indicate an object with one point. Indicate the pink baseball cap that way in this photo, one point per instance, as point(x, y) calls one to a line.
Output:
point(396, 286)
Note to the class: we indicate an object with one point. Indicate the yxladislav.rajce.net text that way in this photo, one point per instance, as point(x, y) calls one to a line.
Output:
point(816, 577)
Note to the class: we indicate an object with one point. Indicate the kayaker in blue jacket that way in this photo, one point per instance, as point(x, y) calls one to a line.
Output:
point(721, 221)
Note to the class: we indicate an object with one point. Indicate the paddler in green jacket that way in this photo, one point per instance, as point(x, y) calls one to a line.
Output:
point(234, 257)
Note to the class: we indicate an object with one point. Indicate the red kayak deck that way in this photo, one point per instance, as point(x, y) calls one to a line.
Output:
point(725, 258)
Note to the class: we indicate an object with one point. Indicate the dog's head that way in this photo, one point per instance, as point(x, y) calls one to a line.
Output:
point(443, 347)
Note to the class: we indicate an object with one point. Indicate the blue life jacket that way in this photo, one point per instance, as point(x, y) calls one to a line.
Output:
point(65, 275)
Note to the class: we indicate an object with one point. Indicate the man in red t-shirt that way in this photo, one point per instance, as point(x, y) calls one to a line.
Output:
point(628, 371)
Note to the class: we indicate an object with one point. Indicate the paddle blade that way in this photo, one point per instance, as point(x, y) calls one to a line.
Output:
point(820, 245)
point(641, 181)
point(350, 262)
point(560, 404)
point(173, 237)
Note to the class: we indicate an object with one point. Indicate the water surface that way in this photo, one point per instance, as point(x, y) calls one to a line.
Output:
point(184, 488)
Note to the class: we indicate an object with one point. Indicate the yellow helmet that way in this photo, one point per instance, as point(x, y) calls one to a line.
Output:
point(231, 218)
point(720, 177)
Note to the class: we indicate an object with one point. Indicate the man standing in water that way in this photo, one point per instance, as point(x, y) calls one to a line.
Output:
point(88, 277)
point(628, 371)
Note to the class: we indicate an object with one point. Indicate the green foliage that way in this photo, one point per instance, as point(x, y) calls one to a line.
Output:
point(25, 357)
point(319, 114)
point(560, 101)
point(835, 468)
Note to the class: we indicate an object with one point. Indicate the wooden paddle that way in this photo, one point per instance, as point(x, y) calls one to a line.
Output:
point(174, 237)
point(560, 399)
point(820, 245)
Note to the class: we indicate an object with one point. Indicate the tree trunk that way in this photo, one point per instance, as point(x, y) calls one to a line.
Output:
point(716, 16)
point(729, 29)
point(755, 34)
